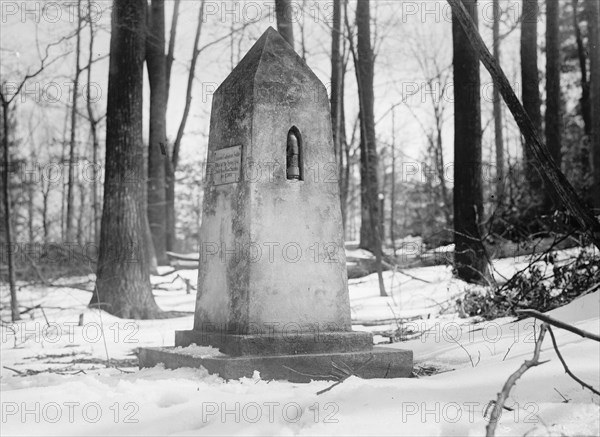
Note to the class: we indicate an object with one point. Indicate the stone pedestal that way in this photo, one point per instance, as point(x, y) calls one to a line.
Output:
point(380, 362)
point(272, 278)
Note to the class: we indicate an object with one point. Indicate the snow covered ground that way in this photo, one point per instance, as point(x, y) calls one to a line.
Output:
point(54, 378)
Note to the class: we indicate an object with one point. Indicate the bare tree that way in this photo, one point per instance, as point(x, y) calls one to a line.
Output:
point(93, 127)
point(14, 304)
point(6, 102)
point(171, 50)
point(338, 120)
point(594, 50)
point(531, 92)
point(469, 254)
point(123, 278)
point(371, 225)
point(285, 26)
point(72, 143)
point(585, 85)
point(156, 63)
point(173, 161)
point(498, 133)
point(553, 101)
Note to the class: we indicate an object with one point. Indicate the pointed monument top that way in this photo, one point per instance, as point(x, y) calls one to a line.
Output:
point(271, 59)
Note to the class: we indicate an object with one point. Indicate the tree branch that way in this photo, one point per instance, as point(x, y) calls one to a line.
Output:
point(510, 382)
point(549, 320)
point(567, 370)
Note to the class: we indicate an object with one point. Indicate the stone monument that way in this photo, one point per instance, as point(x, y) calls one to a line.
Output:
point(272, 282)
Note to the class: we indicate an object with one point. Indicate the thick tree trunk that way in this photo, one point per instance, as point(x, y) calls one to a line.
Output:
point(285, 26)
point(157, 75)
point(531, 94)
point(498, 133)
point(14, 304)
point(337, 91)
point(70, 226)
point(123, 279)
point(551, 172)
point(469, 255)
point(371, 226)
point(594, 50)
point(552, 116)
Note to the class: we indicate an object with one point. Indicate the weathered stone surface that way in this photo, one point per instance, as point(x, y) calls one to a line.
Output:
point(277, 344)
point(380, 362)
point(271, 249)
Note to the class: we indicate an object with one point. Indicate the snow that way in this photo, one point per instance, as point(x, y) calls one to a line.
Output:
point(54, 378)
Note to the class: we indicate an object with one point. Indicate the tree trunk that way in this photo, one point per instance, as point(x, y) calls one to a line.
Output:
point(371, 226)
point(498, 133)
point(285, 26)
point(551, 172)
point(469, 254)
point(14, 304)
point(93, 130)
point(585, 85)
point(123, 280)
point(81, 217)
point(337, 90)
point(594, 50)
point(70, 228)
point(531, 93)
point(553, 101)
point(171, 51)
point(45, 194)
point(393, 188)
point(157, 76)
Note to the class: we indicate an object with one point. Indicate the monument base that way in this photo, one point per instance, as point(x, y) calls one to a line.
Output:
point(379, 362)
point(278, 343)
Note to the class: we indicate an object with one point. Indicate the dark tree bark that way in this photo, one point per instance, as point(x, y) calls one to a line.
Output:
point(337, 108)
point(123, 279)
point(498, 133)
point(531, 92)
point(368, 152)
point(14, 304)
point(285, 26)
point(157, 76)
point(171, 51)
point(585, 85)
point(371, 225)
point(70, 226)
point(555, 179)
point(469, 255)
point(393, 187)
point(93, 129)
point(553, 113)
point(594, 50)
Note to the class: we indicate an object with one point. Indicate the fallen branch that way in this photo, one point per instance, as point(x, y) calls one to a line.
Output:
point(567, 370)
point(510, 382)
point(14, 370)
point(549, 320)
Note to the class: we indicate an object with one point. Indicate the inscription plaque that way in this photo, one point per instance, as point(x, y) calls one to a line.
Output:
point(225, 166)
